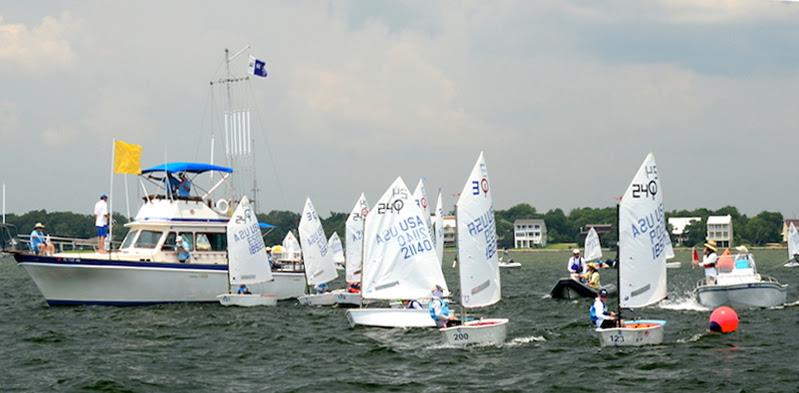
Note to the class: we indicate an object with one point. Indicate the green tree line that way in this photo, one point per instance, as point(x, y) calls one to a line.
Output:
point(765, 227)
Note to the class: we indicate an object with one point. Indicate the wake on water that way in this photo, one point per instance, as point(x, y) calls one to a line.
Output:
point(684, 302)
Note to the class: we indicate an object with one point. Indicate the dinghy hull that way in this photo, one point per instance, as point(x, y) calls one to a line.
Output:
point(72, 280)
point(746, 295)
point(337, 297)
point(390, 318)
point(633, 334)
point(510, 265)
point(492, 331)
point(243, 300)
point(568, 288)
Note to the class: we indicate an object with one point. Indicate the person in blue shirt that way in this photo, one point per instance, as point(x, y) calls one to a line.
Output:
point(438, 307)
point(321, 288)
point(601, 318)
point(182, 249)
point(184, 186)
point(39, 243)
point(243, 290)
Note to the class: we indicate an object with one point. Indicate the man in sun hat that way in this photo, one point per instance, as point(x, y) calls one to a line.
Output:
point(709, 259)
point(101, 221)
point(599, 314)
point(39, 243)
point(576, 265)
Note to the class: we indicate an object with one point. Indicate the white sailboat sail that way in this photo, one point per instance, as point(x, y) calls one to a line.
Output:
point(643, 239)
point(438, 228)
point(400, 260)
point(354, 239)
point(477, 240)
point(291, 247)
point(593, 248)
point(247, 259)
point(317, 256)
point(420, 197)
point(793, 241)
point(334, 243)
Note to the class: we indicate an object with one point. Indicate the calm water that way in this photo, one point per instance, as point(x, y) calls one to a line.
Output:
point(208, 348)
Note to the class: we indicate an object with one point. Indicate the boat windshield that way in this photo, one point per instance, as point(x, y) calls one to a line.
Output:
point(211, 242)
point(129, 239)
point(148, 239)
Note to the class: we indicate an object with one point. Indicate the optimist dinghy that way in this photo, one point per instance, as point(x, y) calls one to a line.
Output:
point(334, 244)
point(318, 257)
point(643, 246)
point(399, 261)
point(479, 267)
point(248, 262)
point(793, 247)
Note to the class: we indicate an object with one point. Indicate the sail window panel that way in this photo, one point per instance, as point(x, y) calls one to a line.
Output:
point(148, 239)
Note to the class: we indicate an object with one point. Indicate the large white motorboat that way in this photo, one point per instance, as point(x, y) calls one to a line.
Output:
point(146, 270)
point(738, 284)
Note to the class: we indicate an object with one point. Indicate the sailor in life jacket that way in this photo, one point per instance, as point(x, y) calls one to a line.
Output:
point(600, 316)
point(438, 307)
point(709, 259)
point(576, 264)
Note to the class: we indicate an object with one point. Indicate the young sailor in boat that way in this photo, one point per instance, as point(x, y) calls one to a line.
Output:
point(600, 316)
point(243, 290)
point(321, 288)
point(354, 287)
point(438, 307)
point(412, 304)
point(709, 260)
point(592, 276)
point(576, 264)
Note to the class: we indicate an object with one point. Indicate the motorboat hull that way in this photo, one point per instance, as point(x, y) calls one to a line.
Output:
point(568, 288)
point(490, 331)
point(754, 294)
point(71, 280)
point(633, 334)
point(247, 300)
point(390, 318)
point(337, 297)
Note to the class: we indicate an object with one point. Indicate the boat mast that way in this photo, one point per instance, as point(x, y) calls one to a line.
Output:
point(618, 268)
point(460, 265)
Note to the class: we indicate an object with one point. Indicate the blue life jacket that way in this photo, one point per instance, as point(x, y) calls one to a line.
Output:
point(592, 313)
point(432, 309)
point(577, 266)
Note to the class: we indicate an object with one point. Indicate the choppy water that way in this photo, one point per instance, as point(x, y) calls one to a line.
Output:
point(208, 348)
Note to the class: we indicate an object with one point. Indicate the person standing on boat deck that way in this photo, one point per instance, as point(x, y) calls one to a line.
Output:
point(101, 221)
point(182, 249)
point(39, 243)
point(438, 307)
point(600, 316)
point(184, 187)
point(709, 260)
point(576, 264)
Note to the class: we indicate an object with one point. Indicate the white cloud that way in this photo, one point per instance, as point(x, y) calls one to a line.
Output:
point(41, 49)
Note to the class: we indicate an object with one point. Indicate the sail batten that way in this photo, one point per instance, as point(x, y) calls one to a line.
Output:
point(317, 256)
point(399, 257)
point(248, 262)
point(643, 239)
point(477, 240)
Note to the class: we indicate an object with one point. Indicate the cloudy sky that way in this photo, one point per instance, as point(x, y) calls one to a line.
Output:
point(566, 98)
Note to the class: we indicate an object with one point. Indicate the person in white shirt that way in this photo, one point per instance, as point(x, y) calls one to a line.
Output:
point(600, 316)
point(576, 264)
point(709, 259)
point(101, 221)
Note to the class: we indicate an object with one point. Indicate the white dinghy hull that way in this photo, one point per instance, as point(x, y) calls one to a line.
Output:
point(390, 318)
point(490, 331)
point(339, 296)
point(633, 334)
point(756, 294)
point(244, 300)
point(71, 280)
point(510, 265)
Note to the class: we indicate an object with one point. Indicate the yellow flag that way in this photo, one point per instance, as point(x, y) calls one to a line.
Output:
point(127, 158)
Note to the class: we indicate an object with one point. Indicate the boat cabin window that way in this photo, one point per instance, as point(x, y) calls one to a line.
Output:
point(129, 238)
point(211, 242)
point(169, 243)
point(147, 239)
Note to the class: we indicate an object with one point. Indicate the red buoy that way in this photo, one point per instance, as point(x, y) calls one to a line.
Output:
point(723, 320)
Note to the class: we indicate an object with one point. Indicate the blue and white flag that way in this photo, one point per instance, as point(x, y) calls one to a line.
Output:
point(257, 67)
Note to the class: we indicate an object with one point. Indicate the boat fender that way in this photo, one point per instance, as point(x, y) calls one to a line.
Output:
point(222, 205)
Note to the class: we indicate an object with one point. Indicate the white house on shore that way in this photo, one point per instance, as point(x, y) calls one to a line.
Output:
point(719, 228)
point(450, 227)
point(529, 233)
point(678, 225)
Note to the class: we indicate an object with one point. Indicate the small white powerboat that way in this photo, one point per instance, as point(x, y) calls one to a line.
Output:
point(673, 265)
point(510, 264)
point(739, 285)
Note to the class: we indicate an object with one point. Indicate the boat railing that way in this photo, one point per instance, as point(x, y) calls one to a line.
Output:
point(288, 266)
point(63, 244)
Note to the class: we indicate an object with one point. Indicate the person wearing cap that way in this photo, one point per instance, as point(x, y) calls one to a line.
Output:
point(709, 259)
point(599, 314)
point(576, 264)
point(438, 307)
point(743, 259)
point(182, 249)
point(184, 186)
point(39, 243)
point(101, 221)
